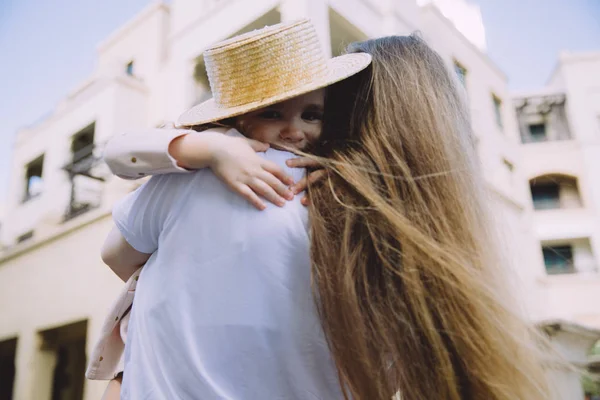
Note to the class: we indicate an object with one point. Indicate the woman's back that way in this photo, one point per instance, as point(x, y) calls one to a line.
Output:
point(224, 308)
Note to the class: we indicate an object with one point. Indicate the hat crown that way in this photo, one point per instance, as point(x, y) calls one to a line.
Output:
point(264, 63)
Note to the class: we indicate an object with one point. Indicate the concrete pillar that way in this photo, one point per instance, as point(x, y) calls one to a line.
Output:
point(316, 10)
point(34, 368)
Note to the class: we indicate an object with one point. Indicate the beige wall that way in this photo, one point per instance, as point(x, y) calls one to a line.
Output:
point(115, 104)
point(496, 146)
point(52, 284)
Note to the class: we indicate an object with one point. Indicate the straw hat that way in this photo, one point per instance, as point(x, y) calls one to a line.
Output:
point(265, 67)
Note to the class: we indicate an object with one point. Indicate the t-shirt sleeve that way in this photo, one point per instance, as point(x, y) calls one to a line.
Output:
point(141, 215)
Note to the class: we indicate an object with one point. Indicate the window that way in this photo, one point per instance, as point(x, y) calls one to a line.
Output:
point(129, 68)
point(558, 259)
point(461, 72)
point(497, 110)
point(555, 191)
point(8, 351)
point(545, 195)
point(86, 186)
point(33, 178)
point(67, 344)
point(24, 237)
point(537, 133)
point(83, 143)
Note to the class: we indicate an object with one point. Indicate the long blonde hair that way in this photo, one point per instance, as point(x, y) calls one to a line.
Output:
point(406, 276)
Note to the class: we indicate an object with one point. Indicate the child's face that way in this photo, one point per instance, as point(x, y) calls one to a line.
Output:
point(292, 123)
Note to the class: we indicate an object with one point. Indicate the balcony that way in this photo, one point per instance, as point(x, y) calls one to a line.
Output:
point(542, 118)
point(555, 191)
point(559, 212)
point(86, 183)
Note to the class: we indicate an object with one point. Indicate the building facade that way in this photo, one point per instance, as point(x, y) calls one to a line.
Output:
point(54, 289)
point(559, 127)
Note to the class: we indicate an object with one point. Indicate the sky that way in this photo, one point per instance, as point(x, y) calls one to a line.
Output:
point(524, 37)
point(48, 47)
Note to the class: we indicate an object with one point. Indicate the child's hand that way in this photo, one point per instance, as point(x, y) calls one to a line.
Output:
point(234, 160)
point(311, 177)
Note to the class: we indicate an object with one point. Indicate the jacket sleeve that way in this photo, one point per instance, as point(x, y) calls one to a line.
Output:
point(106, 359)
point(138, 153)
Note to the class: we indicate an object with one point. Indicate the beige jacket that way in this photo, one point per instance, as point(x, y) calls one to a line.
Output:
point(131, 155)
point(135, 154)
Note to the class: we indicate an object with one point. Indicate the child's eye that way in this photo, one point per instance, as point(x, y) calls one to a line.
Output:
point(270, 114)
point(312, 116)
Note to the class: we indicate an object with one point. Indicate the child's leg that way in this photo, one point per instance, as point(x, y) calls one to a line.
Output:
point(113, 390)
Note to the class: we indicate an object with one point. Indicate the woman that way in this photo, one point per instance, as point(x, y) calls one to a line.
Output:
point(407, 282)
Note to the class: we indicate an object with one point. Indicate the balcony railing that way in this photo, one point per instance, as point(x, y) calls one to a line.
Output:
point(86, 187)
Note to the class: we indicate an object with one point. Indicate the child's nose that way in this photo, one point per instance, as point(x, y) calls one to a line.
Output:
point(292, 134)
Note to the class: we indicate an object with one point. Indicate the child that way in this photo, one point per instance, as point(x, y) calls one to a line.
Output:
point(284, 111)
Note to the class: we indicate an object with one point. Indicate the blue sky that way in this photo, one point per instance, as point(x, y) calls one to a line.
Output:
point(524, 37)
point(48, 48)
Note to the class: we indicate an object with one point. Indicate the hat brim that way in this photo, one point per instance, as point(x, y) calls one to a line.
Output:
point(339, 68)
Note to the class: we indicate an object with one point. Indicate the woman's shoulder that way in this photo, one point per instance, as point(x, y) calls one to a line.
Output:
point(279, 157)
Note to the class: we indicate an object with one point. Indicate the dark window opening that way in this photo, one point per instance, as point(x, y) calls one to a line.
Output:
point(461, 72)
point(497, 110)
point(24, 237)
point(8, 351)
point(33, 178)
point(537, 133)
point(554, 192)
point(545, 196)
point(558, 259)
point(129, 68)
point(82, 145)
point(68, 345)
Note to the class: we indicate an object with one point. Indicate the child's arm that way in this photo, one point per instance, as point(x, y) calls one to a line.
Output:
point(113, 390)
point(232, 159)
point(120, 256)
point(138, 153)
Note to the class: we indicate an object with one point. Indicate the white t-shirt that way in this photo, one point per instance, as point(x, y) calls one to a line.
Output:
point(223, 308)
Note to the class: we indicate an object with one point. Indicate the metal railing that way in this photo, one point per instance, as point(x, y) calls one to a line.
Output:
point(82, 164)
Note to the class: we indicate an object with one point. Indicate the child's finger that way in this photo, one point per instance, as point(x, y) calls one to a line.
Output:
point(302, 162)
point(305, 201)
point(299, 186)
point(258, 146)
point(277, 172)
point(249, 195)
point(311, 178)
point(266, 191)
point(276, 184)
